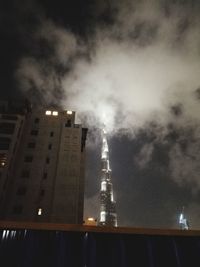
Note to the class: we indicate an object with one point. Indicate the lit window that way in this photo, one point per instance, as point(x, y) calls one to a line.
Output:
point(112, 198)
point(91, 219)
point(48, 112)
point(55, 113)
point(69, 112)
point(103, 186)
point(2, 160)
point(39, 213)
point(102, 216)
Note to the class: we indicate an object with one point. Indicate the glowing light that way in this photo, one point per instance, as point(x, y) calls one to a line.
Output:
point(103, 186)
point(7, 233)
point(39, 212)
point(3, 163)
point(91, 219)
point(69, 112)
point(25, 232)
point(3, 235)
point(103, 216)
point(55, 113)
point(104, 131)
point(48, 112)
point(12, 234)
point(112, 198)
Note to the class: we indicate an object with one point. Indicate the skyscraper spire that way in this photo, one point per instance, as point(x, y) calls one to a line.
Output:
point(183, 221)
point(108, 216)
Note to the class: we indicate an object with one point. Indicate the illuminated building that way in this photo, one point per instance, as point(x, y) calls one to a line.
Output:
point(45, 181)
point(108, 216)
point(183, 223)
point(90, 221)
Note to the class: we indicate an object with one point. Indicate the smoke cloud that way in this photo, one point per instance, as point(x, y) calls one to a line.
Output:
point(128, 73)
point(141, 68)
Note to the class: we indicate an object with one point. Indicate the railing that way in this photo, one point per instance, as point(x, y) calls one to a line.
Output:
point(58, 245)
point(95, 229)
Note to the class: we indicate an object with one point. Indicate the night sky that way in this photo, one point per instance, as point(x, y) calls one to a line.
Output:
point(133, 66)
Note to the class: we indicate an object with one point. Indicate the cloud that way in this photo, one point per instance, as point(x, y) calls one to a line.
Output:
point(133, 69)
point(145, 155)
point(184, 160)
point(141, 67)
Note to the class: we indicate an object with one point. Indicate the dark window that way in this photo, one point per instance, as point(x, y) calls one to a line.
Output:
point(21, 191)
point(28, 159)
point(15, 146)
point(34, 132)
point(17, 209)
point(19, 131)
point(42, 193)
point(25, 174)
point(9, 117)
point(4, 143)
point(51, 134)
point(37, 120)
point(45, 175)
point(50, 146)
point(68, 124)
point(31, 145)
point(47, 160)
point(7, 128)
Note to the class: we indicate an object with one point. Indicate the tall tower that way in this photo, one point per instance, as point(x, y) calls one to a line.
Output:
point(108, 216)
point(183, 223)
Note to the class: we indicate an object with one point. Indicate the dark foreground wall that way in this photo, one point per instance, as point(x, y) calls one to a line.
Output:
point(93, 246)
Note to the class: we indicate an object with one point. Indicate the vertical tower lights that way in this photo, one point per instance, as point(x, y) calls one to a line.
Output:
point(183, 223)
point(108, 216)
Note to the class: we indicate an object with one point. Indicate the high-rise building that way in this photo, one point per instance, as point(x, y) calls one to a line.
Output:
point(42, 158)
point(183, 223)
point(108, 216)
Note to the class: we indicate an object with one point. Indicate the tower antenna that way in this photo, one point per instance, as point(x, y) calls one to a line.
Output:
point(183, 222)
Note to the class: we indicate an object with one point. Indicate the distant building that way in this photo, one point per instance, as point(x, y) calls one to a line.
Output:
point(108, 216)
point(42, 161)
point(183, 222)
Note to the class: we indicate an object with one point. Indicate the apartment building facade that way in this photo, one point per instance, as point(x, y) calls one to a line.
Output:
point(46, 178)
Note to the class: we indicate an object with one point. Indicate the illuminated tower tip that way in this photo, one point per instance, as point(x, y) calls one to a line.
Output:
point(108, 216)
point(183, 222)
